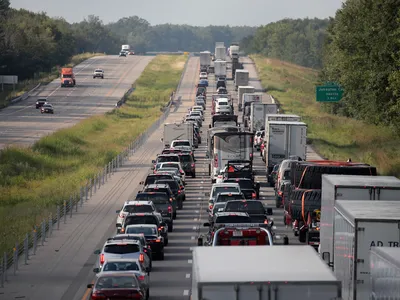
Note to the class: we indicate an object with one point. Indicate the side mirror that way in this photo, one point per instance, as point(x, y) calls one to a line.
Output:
point(90, 286)
point(97, 252)
point(206, 224)
point(118, 211)
point(153, 161)
point(96, 270)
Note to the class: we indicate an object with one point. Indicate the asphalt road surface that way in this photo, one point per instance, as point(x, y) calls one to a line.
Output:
point(22, 124)
point(63, 267)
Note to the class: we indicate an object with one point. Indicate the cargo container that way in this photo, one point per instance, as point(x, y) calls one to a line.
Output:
point(247, 90)
point(258, 113)
point(177, 131)
point(261, 273)
point(385, 273)
point(359, 226)
point(350, 187)
point(234, 51)
point(281, 117)
point(241, 78)
point(219, 44)
point(205, 59)
point(220, 53)
point(220, 69)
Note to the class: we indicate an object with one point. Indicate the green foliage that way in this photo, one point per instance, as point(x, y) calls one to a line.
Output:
point(362, 54)
point(298, 41)
point(34, 180)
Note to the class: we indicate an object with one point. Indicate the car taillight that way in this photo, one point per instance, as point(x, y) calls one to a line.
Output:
point(160, 228)
point(98, 296)
point(193, 165)
point(121, 215)
point(179, 191)
point(280, 193)
point(215, 161)
point(265, 221)
point(141, 277)
point(253, 195)
point(170, 209)
point(141, 258)
point(170, 200)
point(136, 295)
point(211, 206)
point(122, 230)
point(102, 259)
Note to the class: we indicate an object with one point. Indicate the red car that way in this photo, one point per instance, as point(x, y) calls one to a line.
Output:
point(117, 285)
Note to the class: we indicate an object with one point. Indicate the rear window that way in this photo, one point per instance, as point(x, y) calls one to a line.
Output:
point(186, 158)
point(116, 282)
point(152, 179)
point(226, 198)
point(121, 248)
point(172, 184)
point(141, 220)
point(245, 206)
point(121, 266)
point(223, 103)
point(151, 197)
point(245, 184)
point(225, 189)
point(144, 230)
point(172, 166)
point(167, 159)
point(286, 175)
point(138, 208)
point(158, 196)
point(182, 143)
point(233, 219)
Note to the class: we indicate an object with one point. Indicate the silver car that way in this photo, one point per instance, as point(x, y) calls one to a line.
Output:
point(130, 206)
point(126, 266)
point(224, 187)
point(123, 249)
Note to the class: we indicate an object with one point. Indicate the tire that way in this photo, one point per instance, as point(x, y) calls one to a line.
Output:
point(171, 227)
point(174, 216)
point(180, 205)
point(193, 175)
point(147, 294)
point(166, 242)
point(161, 256)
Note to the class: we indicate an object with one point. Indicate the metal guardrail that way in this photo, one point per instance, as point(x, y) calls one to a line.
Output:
point(24, 249)
point(25, 95)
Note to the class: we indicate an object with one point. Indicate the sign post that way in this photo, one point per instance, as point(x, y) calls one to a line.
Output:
point(330, 92)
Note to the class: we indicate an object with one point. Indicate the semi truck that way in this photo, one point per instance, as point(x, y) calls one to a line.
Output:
point(350, 187)
point(385, 273)
point(241, 78)
point(219, 44)
point(258, 112)
point(220, 53)
point(67, 77)
point(282, 140)
point(177, 131)
point(220, 69)
point(359, 226)
point(245, 90)
point(234, 50)
point(205, 59)
point(281, 117)
point(261, 273)
point(248, 99)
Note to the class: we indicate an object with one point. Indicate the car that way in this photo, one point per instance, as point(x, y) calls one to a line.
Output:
point(193, 119)
point(197, 113)
point(151, 178)
point(147, 218)
point(131, 53)
point(283, 181)
point(98, 73)
point(218, 207)
point(127, 249)
point(254, 208)
point(132, 206)
point(177, 188)
point(223, 187)
point(188, 164)
point(198, 107)
point(153, 237)
point(40, 102)
point(222, 106)
point(178, 143)
point(274, 174)
point(127, 266)
point(248, 188)
point(108, 284)
point(163, 199)
point(122, 54)
point(200, 102)
point(162, 170)
point(203, 75)
point(136, 237)
point(225, 197)
point(176, 166)
point(47, 109)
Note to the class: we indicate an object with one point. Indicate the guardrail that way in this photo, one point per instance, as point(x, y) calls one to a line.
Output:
point(25, 95)
point(24, 249)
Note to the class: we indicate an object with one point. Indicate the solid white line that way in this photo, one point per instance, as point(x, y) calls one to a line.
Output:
point(196, 211)
point(190, 261)
point(195, 219)
point(187, 275)
point(194, 227)
point(192, 238)
point(198, 204)
point(186, 293)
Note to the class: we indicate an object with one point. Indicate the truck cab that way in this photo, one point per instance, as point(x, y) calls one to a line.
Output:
point(67, 77)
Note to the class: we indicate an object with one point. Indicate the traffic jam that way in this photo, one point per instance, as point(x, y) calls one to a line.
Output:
point(237, 132)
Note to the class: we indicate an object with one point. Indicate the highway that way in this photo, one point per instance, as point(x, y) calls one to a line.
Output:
point(22, 124)
point(63, 267)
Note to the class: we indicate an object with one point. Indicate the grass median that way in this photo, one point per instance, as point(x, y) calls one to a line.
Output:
point(44, 77)
point(334, 137)
point(35, 180)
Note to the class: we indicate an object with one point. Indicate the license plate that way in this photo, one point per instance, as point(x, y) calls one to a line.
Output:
point(318, 224)
point(237, 233)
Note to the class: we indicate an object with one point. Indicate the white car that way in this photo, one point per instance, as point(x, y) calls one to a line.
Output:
point(130, 207)
point(98, 73)
point(176, 143)
point(222, 106)
point(224, 187)
point(174, 165)
point(203, 75)
point(198, 108)
point(195, 113)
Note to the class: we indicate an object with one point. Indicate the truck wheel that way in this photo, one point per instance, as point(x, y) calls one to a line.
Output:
point(286, 240)
point(74, 82)
point(180, 205)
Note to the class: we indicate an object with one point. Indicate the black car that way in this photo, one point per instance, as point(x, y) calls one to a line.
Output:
point(250, 190)
point(40, 102)
point(188, 164)
point(47, 109)
point(179, 191)
point(161, 192)
point(147, 218)
point(221, 83)
point(254, 208)
point(151, 178)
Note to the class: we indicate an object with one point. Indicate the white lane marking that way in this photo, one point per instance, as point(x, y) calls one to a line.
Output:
point(202, 182)
point(192, 238)
point(195, 219)
point(196, 211)
point(186, 293)
point(187, 275)
point(199, 198)
point(190, 261)
point(194, 227)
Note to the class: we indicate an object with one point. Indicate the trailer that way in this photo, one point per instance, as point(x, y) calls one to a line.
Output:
point(350, 187)
point(205, 59)
point(220, 53)
point(261, 273)
point(258, 113)
point(241, 78)
point(220, 69)
point(359, 226)
point(247, 89)
point(177, 131)
point(385, 273)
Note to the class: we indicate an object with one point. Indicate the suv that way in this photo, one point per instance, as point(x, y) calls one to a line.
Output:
point(157, 193)
point(133, 207)
point(98, 73)
point(221, 188)
point(128, 249)
point(147, 218)
point(176, 143)
point(188, 165)
point(177, 190)
point(122, 53)
point(166, 158)
point(248, 188)
point(40, 102)
point(151, 178)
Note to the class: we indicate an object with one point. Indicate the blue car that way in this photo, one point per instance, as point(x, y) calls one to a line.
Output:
point(203, 82)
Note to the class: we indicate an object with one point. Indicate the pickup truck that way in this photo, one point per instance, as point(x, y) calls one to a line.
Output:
point(254, 208)
point(248, 188)
point(239, 169)
point(98, 73)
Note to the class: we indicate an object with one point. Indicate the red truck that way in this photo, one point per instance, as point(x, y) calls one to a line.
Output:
point(67, 77)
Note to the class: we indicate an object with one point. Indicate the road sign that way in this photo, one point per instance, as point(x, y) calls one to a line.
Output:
point(329, 93)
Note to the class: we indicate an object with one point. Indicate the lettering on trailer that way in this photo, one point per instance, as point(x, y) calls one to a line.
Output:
point(277, 130)
point(380, 244)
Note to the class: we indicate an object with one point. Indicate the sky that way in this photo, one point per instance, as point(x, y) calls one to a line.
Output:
point(191, 12)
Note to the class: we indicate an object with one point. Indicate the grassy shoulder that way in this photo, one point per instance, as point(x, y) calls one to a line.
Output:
point(25, 86)
point(34, 180)
point(334, 137)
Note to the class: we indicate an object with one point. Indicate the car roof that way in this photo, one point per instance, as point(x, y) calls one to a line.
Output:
point(141, 225)
point(115, 274)
point(222, 184)
point(233, 213)
point(114, 260)
point(168, 155)
point(237, 179)
point(138, 202)
point(126, 235)
point(180, 141)
point(127, 241)
point(156, 185)
point(170, 162)
point(141, 214)
point(230, 194)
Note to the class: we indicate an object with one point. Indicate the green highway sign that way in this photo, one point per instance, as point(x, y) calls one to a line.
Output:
point(329, 93)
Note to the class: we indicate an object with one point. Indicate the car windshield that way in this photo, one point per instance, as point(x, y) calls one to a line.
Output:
point(121, 266)
point(245, 206)
point(130, 220)
point(195, 113)
point(67, 76)
point(138, 208)
point(99, 71)
point(225, 189)
point(122, 248)
point(47, 105)
point(186, 158)
point(116, 282)
point(151, 197)
point(181, 143)
point(233, 219)
point(226, 198)
point(161, 159)
point(144, 230)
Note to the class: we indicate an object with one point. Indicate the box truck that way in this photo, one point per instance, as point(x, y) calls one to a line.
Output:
point(359, 226)
point(67, 77)
point(261, 273)
point(258, 113)
point(220, 53)
point(284, 139)
point(247, 89)
point(281, 117)
point(385, 273)
point(234, 50)
point(241, 78)
point(220, 69)
point(125, 48)
point(350, 187)
point(177, 131)
point(205, 59)
point(219, 44)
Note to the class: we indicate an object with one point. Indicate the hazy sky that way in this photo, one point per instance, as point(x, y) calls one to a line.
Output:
point(202, 13)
